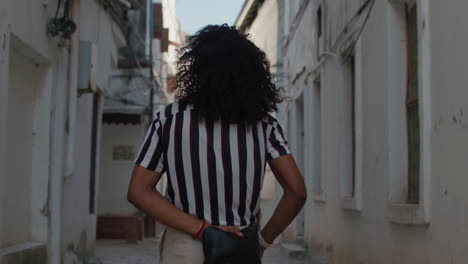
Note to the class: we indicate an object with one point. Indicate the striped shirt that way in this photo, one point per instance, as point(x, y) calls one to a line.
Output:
point(215, 170)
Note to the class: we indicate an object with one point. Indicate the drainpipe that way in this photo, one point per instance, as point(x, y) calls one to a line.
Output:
point(150, 29)
point(57, 123)
point(72, 95)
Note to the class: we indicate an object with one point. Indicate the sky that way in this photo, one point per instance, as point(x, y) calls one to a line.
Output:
point(194, 14)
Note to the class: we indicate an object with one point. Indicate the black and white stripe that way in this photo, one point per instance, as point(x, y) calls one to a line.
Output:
point(215, 169)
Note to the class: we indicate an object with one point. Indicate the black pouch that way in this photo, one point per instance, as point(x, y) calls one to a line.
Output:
point(220, 247)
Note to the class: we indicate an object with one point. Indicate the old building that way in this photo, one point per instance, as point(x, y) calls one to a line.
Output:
point(138, 89)
point(165, 61)
point(176, 38)
point(127, 111)
point(375, 117)
point(56, 58)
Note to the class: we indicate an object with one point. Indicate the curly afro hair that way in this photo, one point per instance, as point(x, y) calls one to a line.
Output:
point(225, 77)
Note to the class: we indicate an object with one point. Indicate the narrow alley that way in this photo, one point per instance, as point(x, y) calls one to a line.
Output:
point(374, 111)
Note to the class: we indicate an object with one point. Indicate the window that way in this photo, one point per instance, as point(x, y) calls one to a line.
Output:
point(319, 22)
point(320, 29)
point(409, 113)
point(412, 105)
point(350, 86)
point(352, 110)
point(351, 148)
point(316, 112)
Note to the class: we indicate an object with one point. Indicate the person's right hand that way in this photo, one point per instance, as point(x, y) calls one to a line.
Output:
point(229, 229)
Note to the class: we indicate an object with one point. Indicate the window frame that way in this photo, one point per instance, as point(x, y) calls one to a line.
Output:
point(412, 104)
point(399, 210)
point(352, 200)
point(315, 152)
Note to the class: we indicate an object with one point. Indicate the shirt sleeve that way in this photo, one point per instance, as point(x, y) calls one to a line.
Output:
point(277, 145)
point(151, 154)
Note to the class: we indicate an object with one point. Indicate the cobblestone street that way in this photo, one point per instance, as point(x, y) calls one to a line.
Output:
point(147, 252)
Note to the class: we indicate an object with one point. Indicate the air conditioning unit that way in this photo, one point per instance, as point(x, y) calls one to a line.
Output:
point(87, 67)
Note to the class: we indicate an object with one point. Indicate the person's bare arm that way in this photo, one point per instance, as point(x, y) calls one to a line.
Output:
point(288, 175)
point(143, 195)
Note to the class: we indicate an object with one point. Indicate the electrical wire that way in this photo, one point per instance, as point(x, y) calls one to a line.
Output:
point(58, 8)
point(143, 77)
point(140, 68)
point(143, 42)
point(351, 21)
point(295, 23)
point(348, 24)
point(66, 5)
point(360, 31)
point(296, 90)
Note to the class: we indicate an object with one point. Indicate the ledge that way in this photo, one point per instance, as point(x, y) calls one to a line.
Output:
point(319, 198)
point(350, 204)
point(28, 252)
point(406, 214)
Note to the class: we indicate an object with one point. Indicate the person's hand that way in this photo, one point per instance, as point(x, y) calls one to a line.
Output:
point(229, 229)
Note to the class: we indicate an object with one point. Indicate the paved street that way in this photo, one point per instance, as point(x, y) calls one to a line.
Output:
point(146, 252)
point(123, 252)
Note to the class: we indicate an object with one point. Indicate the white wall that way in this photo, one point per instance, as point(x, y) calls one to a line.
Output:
point(78, 221)
point(94, 25)
point(115, 174)
point(379, 230)
point(449, 137)
point(97, 26)
point(339, 229)
point(38, 84)
point(263, 31)
point(25, 58)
